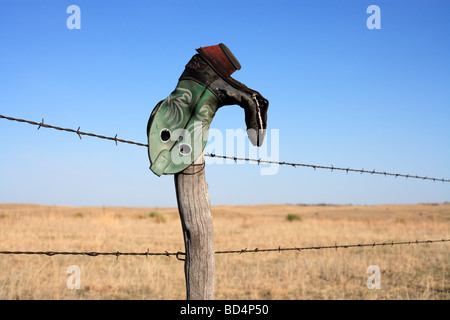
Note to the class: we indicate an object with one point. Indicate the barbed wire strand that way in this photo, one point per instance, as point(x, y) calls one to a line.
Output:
point(212, 155)
point(347, 170)
point(256, 250)
point(335, 246)
point(78, 132)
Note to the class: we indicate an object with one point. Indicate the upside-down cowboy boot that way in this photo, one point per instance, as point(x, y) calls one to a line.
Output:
point(178, 126)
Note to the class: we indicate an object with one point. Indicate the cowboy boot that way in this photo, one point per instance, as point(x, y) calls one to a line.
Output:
point(178, 126)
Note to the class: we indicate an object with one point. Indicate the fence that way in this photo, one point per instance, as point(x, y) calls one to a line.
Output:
point(279, 249)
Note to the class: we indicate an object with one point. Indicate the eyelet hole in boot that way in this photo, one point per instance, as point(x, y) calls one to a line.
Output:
point(185, 149)
point(165, 135)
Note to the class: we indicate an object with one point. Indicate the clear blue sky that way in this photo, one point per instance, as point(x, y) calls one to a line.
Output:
point(340, 94)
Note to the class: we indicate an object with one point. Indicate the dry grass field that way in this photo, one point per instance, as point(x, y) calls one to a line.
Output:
point(407, 271)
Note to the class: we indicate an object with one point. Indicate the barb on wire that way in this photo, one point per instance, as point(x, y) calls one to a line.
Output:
point(177, 254)
point(212, 155)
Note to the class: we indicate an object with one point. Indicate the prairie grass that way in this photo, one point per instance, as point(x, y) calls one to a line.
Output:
point(407, 272)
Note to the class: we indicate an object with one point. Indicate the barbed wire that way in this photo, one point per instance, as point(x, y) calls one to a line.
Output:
point(335, 246)
point(212, 155)
point(331, 168)
point(93, 253)
point(241, 251)
point(78, 132)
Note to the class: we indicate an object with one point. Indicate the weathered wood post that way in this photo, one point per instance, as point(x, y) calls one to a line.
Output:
point(197, 223)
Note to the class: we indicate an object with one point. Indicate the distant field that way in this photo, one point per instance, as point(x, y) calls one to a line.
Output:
point(407, 272)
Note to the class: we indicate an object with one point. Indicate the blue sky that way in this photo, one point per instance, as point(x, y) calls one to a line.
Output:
point(340, 94)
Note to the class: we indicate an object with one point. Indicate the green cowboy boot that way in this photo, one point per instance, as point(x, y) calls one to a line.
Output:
point(178, 126)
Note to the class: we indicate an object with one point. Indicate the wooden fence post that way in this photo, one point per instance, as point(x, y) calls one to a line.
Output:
point(197, 223)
